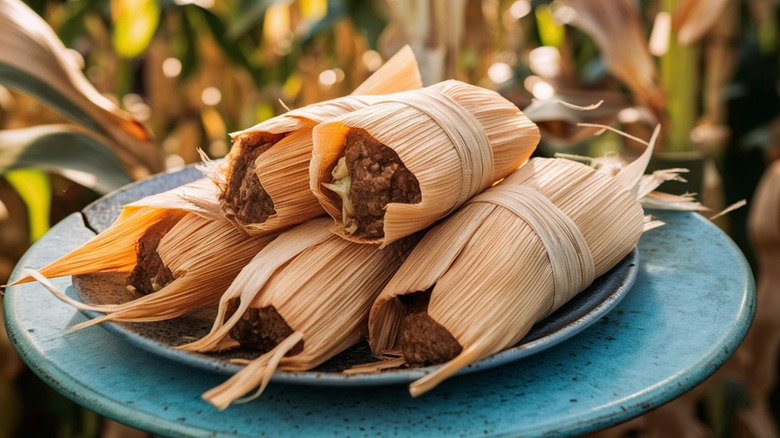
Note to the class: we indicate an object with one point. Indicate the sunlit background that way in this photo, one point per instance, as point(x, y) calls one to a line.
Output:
point(171, 77)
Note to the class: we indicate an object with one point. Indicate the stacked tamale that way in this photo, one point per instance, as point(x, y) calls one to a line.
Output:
point(512, 239)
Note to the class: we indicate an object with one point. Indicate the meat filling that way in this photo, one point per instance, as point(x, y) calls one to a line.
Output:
point(260, 328)
point(369, 176)
point(423, 340)
point(150, 273)
point(244, 198)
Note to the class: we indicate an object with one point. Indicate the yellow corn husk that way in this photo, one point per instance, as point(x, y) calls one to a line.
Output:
point(282, 169)
point(204, 255)
point(115, 248)
point(494, 273)
point(429, 129)
point(321, 285)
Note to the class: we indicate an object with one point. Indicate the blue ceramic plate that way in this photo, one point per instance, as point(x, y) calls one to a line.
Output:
point(160, 337)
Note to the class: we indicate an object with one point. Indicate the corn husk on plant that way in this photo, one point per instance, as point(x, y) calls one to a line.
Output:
point(264, 183)
point(427, 151)
point(511, 256)
point(309, 291)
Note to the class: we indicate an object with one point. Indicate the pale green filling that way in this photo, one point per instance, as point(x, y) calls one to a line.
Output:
point(340, 186)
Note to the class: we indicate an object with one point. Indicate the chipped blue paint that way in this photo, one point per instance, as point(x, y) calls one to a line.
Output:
point(691, 306)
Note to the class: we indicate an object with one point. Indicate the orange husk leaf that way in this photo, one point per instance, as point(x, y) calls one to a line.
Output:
point(204, 256)
point(115, 248)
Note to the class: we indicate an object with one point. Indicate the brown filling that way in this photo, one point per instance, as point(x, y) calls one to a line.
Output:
point(377, 178)
point(150, 273)
point(423, 340)
point(260, 328)
point(244, 198)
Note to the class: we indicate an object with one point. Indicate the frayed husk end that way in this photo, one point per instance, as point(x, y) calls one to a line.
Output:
point(199, 197)
point(253, 277)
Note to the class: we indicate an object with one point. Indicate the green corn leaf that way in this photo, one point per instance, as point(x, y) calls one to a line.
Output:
point(232, 49)
point(34, 188)
point(34, 61)
point(135, 22)
point(51, 97)
point(66, 150)
point(250, 15)
point(550, 32)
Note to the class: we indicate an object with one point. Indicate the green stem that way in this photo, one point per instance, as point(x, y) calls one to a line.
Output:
point(680, 77)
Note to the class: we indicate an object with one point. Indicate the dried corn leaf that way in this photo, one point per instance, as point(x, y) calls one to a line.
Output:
point(616, 28)
point(694, 18)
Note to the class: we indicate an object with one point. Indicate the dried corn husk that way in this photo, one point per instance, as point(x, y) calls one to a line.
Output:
point(115, 248)
point(456, 139)
point(321, 285)
point(513, 255)
point(282, 169)
point(204, 255)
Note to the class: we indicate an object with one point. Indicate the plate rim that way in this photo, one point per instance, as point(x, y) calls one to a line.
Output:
point(391, 377)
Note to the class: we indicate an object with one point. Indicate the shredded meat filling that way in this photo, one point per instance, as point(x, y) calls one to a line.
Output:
point(377, 177)
point(423, 340)
point(150, 273)
point(244, 198)
point(260, 328)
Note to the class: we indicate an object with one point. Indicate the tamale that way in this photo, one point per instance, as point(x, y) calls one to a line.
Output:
point(264, 183)
point(175, 248)
point(511, 256)
point(401, 164)
point(303, 299)
point(116, 248)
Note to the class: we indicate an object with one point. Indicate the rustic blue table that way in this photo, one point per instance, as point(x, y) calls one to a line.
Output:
point(691, 306)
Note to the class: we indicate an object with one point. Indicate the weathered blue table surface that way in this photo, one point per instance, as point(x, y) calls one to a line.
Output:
point(691, 306)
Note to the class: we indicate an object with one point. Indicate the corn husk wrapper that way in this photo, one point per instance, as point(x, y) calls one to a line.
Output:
point(283, 168)
point(457, 140)
point(114, 250)
point(204, 255)
point(323, 287)
point(496, 272)
point(203, 250)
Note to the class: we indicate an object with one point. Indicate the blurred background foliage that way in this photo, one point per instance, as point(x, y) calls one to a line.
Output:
point(138, 86)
